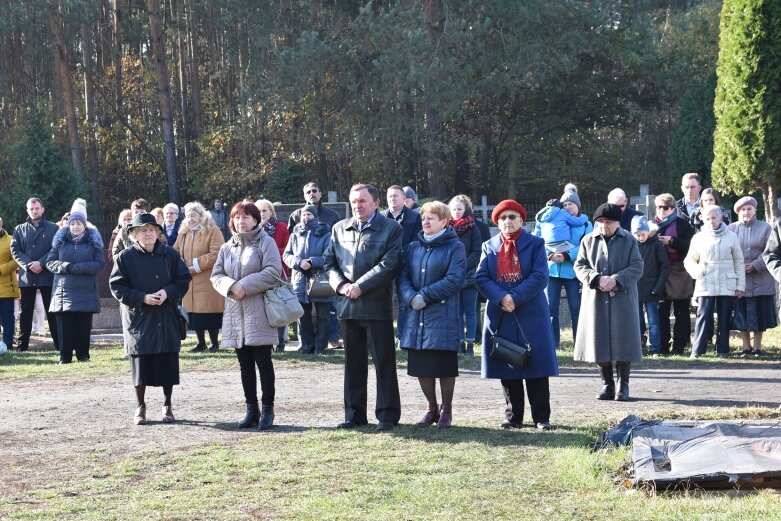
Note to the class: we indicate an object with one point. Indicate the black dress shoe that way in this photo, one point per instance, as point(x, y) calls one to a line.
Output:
point(385, 426)
point(507, 424)
point(544, 426)
point(198, 348)
point(349, 424)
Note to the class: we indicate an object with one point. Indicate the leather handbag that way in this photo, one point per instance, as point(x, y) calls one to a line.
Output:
point(507, 351)
point(184, 321)
point(317, 286)
point(282, 305)
point(679, 283)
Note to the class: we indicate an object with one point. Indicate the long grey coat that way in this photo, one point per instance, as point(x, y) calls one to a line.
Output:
point(609, 327)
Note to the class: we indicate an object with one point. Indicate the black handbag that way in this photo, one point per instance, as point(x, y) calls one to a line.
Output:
point(318, 286)
point(184, 321)
point(509, 352)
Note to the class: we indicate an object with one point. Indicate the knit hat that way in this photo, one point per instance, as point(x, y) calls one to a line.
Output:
point(508, 204)
point(608, 211)
point(409, 192)
point(640, 224)
point(743, 201)
point(78, 211)
point(570, 195)
point(310, 208)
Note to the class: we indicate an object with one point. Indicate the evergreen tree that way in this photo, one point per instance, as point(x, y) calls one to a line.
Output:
point(747, 139)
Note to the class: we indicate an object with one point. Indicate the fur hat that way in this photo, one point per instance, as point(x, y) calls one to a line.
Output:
point(310, 208)
point(508, 204)
point(570, 195)
point(78, 211)
point(640, 224)
point(608, 211)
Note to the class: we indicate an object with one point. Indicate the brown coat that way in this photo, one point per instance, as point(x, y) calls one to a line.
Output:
point(199, 250)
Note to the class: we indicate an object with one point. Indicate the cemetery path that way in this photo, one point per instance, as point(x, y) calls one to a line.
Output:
point(50, 426)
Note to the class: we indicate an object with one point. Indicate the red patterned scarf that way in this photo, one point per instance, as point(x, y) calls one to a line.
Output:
point(508, 267)
point(463, 225)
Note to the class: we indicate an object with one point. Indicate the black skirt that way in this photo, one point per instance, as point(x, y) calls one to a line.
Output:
point(432, 363)
point(754, 313)
point(205, 321)
point(156, 370)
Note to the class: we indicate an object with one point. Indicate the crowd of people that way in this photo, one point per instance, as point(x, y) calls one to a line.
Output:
point(426, 266)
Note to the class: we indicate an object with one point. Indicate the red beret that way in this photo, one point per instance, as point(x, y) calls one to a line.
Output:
point(508, 204)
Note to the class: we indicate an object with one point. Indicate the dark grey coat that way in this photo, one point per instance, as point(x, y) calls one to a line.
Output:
point(370, 258)
point(31, 244)
point(146, 329)
point(609, 326)
point(76, 268)
point(656, 267)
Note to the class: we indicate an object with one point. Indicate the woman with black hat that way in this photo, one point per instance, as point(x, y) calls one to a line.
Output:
point(148, 279)
point(76, 258)
point(609, 265)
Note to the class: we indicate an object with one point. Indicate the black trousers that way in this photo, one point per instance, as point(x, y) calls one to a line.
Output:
point(703, 328)
point(682, 329)
point(260, 356)
point(26, 315)
point(538, 391)
point(73, 329)
point(314, 338)
point(360, 338)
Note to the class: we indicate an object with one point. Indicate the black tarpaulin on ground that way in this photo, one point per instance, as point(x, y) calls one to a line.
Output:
point(706, 454)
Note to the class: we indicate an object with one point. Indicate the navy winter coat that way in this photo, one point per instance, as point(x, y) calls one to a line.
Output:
point(149, 330)
point(531, 309)
point(656, 267)
point(76, 268)
point(436, 270)
point(306, 244)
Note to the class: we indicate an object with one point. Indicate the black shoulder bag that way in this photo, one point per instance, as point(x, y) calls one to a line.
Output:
point(509, 352)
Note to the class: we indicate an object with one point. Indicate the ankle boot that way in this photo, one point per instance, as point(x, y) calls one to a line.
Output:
point(470, 348)
point(266, 418)
point(252, 417)
point(623, 382)
point(609, 387)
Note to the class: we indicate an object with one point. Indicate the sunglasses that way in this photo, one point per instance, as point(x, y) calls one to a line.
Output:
point(663, 207)
point(511, 217)
point(312, 191)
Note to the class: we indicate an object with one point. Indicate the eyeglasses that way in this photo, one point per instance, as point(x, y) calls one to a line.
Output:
point(312, 191)
point(512, 217)
point(663, 207)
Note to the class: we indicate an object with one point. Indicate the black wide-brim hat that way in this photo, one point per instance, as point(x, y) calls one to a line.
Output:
point(143, 219)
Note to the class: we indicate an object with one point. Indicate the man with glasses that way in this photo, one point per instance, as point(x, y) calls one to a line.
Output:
point(171, 223)
point(618, 197)
point(312, 195)
point(691, 186)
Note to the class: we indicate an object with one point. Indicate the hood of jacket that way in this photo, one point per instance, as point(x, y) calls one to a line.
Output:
point(91, 236)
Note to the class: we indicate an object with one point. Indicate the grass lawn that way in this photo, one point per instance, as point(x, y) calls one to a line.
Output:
point(473, 471)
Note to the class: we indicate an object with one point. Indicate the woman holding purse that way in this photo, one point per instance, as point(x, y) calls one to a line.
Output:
point(304, 256)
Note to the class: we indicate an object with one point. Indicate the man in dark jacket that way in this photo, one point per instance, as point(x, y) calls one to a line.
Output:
point(362, 261)
point(313, 195)
point(31, 243)
point(691, 186)
point(618, 197)
point(408, 219)
point(220, 216)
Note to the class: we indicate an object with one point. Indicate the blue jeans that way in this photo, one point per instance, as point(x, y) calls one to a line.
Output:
point(703, 328)
point(7, 320)
point(654, 331)
point(469, 309)
point(553, 292)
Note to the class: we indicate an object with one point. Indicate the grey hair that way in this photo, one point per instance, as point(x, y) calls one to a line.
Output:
point(172, 206)
point(712, 208)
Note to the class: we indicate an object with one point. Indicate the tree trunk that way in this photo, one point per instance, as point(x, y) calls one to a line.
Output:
point(89, 115)
point(164, 96)
point(117, 59)
point(770, 195)
point(181, 54)
point(196, 120)
point(437, 189)
point(67, 92)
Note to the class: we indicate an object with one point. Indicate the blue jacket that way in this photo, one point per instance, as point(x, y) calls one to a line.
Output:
point(436, 270)
point(33, 244)
point(566, 269)
point(174, 234)
point(555, 224)
point(531, 309)
point(306, 244)
point(75, 268)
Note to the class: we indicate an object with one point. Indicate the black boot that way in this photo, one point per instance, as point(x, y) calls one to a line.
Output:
point(609, 387)
point(267, 418)
point(623, 382)
point(252, 417)
point(470, 348)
